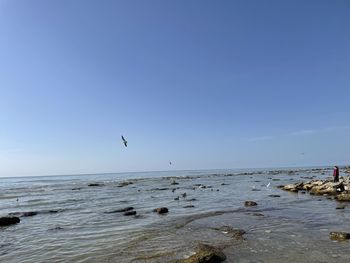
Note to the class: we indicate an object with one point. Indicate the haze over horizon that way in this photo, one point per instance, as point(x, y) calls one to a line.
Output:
point(202, 84)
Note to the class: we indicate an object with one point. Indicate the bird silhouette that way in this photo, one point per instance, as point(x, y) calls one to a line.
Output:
point(125, 141)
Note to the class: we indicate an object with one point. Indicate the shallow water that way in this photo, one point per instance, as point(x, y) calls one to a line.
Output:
point(294, 227)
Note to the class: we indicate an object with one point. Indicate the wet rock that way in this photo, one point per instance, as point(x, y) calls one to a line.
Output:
point(95, 184)
point(6, 221)
point(205, 254)
point(344, 197)
point(56, 228)
point(339, 236)
point(224, 184)
point(159, 189)
point(130, 213)
point(232, 232)
point(293, 187)
point(250, 203)
point(274, 196)
point(126, 209)
point(191, 200)
point(177, 198)
point(328, 188)
point(77, 188)
point(256, 190)
point(23, 214)
point(174, 183)
point(188, 206)
point(161, 210)
point(340, 207)
point(124, 184)
point(257, 214)
point(276, 179)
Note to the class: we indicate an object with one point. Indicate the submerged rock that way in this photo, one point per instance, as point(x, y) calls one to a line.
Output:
point(339, 236)
point(95, 184)
point(23, 214)
point(205, 254)
point(233, 232)
point(124, 184)
point(6, 221)
point(250, 203)
point(161, 210)
point(129, 208)
point(188, 206)
point(340, 207)
point(274, 196)
point(130, 213)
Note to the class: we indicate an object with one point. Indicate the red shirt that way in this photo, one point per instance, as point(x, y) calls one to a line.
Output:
point(336, 172)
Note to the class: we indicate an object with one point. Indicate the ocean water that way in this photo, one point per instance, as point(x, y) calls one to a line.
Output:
point(72, 224)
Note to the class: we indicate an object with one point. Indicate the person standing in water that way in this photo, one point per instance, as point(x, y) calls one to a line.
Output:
point(336, 174)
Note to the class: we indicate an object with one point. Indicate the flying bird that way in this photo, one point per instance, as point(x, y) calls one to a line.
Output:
point(125, 141)
point(170, 163)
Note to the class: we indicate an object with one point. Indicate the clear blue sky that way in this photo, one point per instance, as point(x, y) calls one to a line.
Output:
point(205, 84)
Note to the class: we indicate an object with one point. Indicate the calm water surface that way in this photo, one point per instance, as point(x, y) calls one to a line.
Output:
point(294, 227)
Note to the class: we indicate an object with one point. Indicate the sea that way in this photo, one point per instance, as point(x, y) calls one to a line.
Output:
point(75, 218)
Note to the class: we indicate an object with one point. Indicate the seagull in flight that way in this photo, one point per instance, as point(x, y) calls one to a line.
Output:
point(125, 141)
point(170, 163)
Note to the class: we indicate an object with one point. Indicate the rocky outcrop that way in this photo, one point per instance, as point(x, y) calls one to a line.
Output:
point(327, 188)
point(205, 254)
point(7, 220)
point(343, 197)
point(340, 190)
point(339, 236)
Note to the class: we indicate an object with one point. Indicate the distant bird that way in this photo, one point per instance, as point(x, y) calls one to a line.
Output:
point(170, 163)
point(184, 195)
point(125, 141)
point(302, 153)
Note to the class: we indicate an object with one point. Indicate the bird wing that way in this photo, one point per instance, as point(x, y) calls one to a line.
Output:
point(123, 138)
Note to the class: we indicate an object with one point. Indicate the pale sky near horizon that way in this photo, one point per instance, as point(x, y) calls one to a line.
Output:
point(204, 84)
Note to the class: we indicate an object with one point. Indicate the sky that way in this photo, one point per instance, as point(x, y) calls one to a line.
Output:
point(203, 84)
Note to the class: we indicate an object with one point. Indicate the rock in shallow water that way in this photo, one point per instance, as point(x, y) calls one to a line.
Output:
point(23, 214)
point(233, 232)
point(343, 197)
point(126, 209)
point(95, 184)
point(6, 221)
point(339, 236)
point(130, 213)
point(250, 203)
point(205, 254)
point(161, 210)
